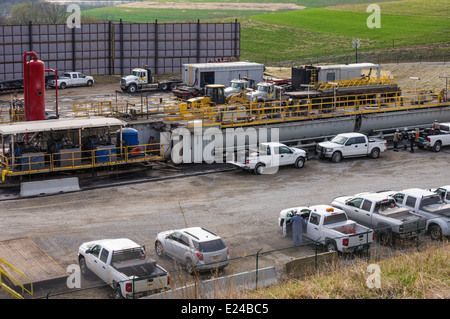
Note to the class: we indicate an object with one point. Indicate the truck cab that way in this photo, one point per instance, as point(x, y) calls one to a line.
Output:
point(265, 91)
point(444, 192)
point(237, 86)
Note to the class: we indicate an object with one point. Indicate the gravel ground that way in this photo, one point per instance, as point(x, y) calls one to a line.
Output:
point(239, 206)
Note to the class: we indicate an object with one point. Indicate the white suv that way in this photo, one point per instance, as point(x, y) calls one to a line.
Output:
point(198, 249)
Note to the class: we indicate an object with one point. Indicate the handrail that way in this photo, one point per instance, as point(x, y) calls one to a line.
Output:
point(21, 283)
point(72, 159)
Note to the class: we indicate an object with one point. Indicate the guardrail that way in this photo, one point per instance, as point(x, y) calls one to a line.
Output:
point(71, 159)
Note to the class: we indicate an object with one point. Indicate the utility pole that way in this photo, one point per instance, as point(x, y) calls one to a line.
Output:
point(356, 46)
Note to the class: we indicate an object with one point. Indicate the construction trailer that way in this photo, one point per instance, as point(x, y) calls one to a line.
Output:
point(200, 74)
point(308, 74)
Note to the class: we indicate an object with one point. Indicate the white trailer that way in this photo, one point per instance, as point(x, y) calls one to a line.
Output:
point(200, 74)
point(339, 72)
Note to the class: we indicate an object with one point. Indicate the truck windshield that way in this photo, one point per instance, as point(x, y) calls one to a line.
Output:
point(235, 85)
point(335, 218)
point(431, 200)
point(263, 88)
point(339, 139)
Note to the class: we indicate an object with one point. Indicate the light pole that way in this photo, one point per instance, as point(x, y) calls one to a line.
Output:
point(415, 78)
point(334, 84)
point(356, 46)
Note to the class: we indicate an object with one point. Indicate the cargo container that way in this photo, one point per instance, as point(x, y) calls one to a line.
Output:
point(198, 75)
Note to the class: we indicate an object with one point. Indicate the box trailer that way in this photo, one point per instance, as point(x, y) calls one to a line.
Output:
point(306, 74)
point(200, 74)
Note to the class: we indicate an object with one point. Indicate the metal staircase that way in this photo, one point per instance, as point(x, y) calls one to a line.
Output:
point(8, 277)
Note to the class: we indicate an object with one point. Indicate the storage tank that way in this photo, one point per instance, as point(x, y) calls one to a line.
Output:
point(130, 137)
point(34, 87)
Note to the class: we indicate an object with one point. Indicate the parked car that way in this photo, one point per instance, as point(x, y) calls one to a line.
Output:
point(123, 265)
point(197, 248)
point(351, 145)
point(72, 79)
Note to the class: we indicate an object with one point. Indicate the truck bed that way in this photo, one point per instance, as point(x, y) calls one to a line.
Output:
point(349, 229)
point(139, 269)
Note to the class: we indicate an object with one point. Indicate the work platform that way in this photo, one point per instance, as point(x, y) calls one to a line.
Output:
point(26, 256)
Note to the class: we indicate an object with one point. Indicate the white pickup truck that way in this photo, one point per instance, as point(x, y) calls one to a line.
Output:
point(269, 156)
point(433, 140)
point(123, 265)
point(351, 145)
point(380, 212)
point(330, 227)
point(72, 79)
point(428, 205)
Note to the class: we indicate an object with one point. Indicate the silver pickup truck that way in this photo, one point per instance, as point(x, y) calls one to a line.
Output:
point(380, 212)
point(123, 265)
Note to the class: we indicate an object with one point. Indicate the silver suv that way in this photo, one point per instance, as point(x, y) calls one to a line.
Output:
point(198, 249)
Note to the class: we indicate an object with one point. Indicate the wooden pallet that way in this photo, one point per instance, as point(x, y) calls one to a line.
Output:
point(27, 257)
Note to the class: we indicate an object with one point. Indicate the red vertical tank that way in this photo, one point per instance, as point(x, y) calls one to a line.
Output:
point(34, 87)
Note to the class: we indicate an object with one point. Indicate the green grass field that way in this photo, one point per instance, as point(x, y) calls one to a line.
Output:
point(163, 15)
point(296, 35)
point(317, 31)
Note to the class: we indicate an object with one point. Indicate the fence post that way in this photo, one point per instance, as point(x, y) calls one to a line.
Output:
point(256, 277)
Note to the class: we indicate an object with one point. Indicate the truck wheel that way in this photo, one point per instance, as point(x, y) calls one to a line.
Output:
point(159, 249)
point(336, 157)
point(435, 232)
point(188, 266)
point(132, 88)
point(117, 292)
point(89, 83)
point(437, 147)
point(375, 153)
point(83, 267)
point(62, 85)
point(164, 86)
point(285, 233)
point(330, 246)
point(173, 86)
point(385, 237)
point(300, 162)
point(259, 168)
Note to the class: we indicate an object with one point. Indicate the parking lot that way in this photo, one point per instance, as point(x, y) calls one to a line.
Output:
point(239, 206)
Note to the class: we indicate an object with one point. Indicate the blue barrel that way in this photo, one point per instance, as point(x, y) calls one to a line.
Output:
point(130, 137)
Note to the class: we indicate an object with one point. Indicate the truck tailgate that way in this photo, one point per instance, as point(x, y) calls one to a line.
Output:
point(155, 282)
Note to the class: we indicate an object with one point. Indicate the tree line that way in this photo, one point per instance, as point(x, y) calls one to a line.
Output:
point(34, 11)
